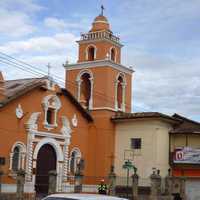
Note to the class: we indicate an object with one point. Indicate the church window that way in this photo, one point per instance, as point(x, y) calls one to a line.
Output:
point(136, 143)
point(120, 92)
point(74, 160)
point(50, 113)
point(16, 159)
point(91, 53)
point(112, 54)
point(51, 105)
point(17, 156)
point(85, 87)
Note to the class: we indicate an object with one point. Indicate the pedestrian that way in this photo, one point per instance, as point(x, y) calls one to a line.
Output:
point(177, 196)
point(102, 188)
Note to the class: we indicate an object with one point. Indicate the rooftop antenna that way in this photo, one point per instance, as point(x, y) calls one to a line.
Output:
point(102, 9)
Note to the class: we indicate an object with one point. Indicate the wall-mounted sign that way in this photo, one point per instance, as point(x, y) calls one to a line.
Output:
point(186, 155)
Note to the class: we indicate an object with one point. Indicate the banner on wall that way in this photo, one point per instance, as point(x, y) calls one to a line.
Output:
point(186, 155)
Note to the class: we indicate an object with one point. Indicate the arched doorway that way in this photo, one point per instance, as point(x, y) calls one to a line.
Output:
point(46, 161)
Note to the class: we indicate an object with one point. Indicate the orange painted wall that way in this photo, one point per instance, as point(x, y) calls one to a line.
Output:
point(12, 129)
point(186, 172)
point(104, 86)
point(103, 47)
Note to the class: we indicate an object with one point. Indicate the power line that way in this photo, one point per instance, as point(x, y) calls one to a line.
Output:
point(11, 61)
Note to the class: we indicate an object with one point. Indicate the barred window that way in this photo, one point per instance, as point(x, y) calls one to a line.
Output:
point(136, 143)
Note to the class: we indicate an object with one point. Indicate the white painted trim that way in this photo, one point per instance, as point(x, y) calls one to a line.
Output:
point(112, 47)
point(87, 48)
point(103, 108)
point(79, 81)
point(84, 71)
point(36, 140)
point(8, 188)
point(100, 21)
point(50, 135)
point(22, 153)
point(98, 63)
point(54, 144)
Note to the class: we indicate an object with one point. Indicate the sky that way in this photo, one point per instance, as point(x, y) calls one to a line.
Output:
point(161, 42)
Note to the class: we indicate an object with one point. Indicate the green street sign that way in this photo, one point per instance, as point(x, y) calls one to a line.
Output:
point(128, 165)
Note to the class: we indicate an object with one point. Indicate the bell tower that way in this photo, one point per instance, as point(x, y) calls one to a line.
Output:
point(98, 80)
point(102, 85)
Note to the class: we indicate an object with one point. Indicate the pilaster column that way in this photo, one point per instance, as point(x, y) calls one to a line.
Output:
point(123, 96)
point(66, 158)
point(29, 158)
point(116, 103)
point(79, 90)
point(91, 93)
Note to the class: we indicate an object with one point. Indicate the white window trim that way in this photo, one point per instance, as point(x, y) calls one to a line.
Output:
point(75, 149)
point(22, 155)
point(115, 53)
point(86, 51)
point(79, 81)
point(123, 106)
point(55, 107)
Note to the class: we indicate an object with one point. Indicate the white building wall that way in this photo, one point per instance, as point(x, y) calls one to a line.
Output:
point(155, 146)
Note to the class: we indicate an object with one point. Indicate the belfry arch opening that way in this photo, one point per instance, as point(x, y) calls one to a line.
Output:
point(120, 93)
point(91, 53)
point(113, 54)
point(85, 89)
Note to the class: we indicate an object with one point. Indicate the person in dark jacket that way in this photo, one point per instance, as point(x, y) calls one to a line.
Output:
point(177, 196)
point(102, 188)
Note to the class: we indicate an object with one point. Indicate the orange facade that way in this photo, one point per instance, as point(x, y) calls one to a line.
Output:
point(76, 122)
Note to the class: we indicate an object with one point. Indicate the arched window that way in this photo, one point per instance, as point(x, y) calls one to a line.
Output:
point(112, 54)
point(16, 159)
point(85, 87)
point(120, 87)
point(17, 156)
point(119, 92)
point(74, 160)
point(51, 105)
point(91, 53)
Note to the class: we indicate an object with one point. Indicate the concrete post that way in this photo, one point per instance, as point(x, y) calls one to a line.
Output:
point(135, 179)
point(1, 175)
point(155, 185)
point(20, 184)
point(78, 183)
point(182, 188)
point(52, 182)
point(168, 185)
point(112, 181)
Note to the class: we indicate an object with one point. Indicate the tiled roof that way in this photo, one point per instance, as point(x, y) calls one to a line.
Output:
point(143, 115)
point(16, 88)
point(187, 126)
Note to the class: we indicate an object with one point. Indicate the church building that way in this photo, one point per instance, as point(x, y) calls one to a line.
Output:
point(44, 127)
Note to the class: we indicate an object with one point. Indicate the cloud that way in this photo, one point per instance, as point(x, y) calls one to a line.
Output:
point(44, 45)
point(55, 23)
point(15, 24)
point(22, 5)
point(16, 17)
point(61, 24)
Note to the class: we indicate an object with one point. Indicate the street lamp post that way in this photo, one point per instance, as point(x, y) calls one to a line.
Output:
point(128, 165)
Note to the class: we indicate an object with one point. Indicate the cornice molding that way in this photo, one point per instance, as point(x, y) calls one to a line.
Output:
point(100, 40)
point(98, 63)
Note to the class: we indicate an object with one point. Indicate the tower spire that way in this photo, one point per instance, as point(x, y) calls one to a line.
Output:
point(102, 9)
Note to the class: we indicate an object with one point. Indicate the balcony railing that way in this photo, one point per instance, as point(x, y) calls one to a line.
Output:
point(99, 35)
